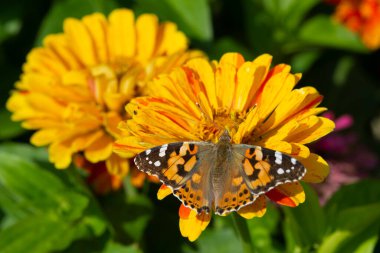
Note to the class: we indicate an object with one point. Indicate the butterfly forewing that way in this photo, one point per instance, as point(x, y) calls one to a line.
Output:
point(264, 168)
point(172, 163)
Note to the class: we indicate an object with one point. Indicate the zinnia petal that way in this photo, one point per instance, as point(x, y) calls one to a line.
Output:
point(317, 168)
point(163, 192)
point(192, 224)
point(256, 209)
point(290, 194)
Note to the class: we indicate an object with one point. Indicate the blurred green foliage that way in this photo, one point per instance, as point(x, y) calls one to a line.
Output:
point(46, 210)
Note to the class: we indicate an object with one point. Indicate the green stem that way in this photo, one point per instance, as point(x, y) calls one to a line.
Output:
point(245, 236)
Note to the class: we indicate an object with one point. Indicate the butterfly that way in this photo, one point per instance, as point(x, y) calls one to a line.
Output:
point(221, 177)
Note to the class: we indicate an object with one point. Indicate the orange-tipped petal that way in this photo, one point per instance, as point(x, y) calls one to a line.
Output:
point(192, 224)
point(290, 194)
point(163, 192)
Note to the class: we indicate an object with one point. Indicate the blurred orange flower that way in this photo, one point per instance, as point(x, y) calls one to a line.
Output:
point(256, 103)
point(362, 17)
point(74, 88)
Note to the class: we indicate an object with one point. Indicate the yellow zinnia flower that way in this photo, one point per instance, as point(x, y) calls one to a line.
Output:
point(74, 88)
point(256, 103)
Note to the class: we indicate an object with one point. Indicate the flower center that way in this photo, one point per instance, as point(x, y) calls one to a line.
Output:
point(212, 129)
point(113, 85)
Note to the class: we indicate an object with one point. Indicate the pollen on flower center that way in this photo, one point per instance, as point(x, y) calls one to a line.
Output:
point(122, 66)
point(212, 129)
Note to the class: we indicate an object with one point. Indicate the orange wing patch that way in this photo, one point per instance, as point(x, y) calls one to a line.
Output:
point(180, 164)
point(258, 173)
point(192, 196)
point(232, 201)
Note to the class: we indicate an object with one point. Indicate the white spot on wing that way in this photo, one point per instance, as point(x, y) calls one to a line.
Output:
point(147, 158)
point(161, 154)
point(287, 171)
point(259, 154)
point(150, 162)
point(278, 156)
point(147, 152)
point(293, 160)
point(280, 171)
point(183, 149)
point(157, 163)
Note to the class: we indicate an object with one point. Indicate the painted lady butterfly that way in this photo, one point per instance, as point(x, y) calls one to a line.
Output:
point(223, 177)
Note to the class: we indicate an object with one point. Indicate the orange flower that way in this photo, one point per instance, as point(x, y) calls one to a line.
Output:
point(73, 89)
point(362, 17)
point(256, 103)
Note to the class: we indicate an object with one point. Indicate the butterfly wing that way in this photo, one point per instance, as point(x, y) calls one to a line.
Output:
point(250, 171)
point(231, 191)
point(264, 168)
point(184, 167)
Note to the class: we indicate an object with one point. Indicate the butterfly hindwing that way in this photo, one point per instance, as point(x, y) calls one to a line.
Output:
point(265, 168)
point(234, 197)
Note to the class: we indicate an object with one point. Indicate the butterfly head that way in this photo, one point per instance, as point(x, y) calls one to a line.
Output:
point(225, 137)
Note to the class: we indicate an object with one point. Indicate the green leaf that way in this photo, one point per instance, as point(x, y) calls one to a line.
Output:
point(348, 224)
point(113, 247)
point(9, 128)
point(363, 242)
point(324, 31)
point(272, 25)
point(362, 193)
point(263, 231)
point(138, 213)
point(304, 225)
point(129, 216)
point(353, 215)
point(217, 240)
point(35, 199)
point(294, 11)
point(342, 70)
point(40, 233)
point(228, 44)
point(24, 189)
point(11, 14)
point(287, 13)
point(303, 61)
point(53, 22)
point(25, 151)
point(9, 28)
point(368, 246)
point(263, 29)
point(193, 17)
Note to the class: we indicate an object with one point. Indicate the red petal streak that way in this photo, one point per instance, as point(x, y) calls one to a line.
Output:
point(184, 212)
point(278, 197)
